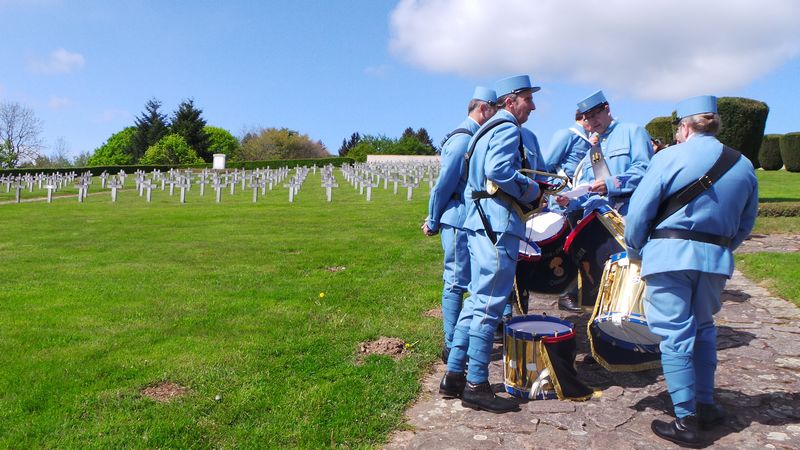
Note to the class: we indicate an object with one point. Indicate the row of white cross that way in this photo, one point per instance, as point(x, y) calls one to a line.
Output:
point(363, 177)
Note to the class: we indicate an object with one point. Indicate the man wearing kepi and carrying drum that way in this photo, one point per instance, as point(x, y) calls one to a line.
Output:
point(446, 210)
point(494, 230)
point(695, 204)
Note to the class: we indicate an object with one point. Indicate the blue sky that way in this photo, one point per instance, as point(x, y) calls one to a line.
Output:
point(328, 68)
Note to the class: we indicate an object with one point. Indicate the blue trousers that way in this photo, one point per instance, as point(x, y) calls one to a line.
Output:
point(456, 277)
point(493, 270)
point(679, 307)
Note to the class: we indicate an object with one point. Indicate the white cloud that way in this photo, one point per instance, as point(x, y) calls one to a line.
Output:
point(656, 49)
point(60, 61)
point(59, 102)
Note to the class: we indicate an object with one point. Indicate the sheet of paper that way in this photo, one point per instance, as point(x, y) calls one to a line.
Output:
point(577, 191)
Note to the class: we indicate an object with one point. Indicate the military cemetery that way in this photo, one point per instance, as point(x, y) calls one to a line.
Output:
point(547, 226)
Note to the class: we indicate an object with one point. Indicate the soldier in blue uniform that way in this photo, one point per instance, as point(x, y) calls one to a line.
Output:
point(568, 147)
point(446, 211)
point(494, 231)
point(614, 172)
point(687, 257)
point(626, 152)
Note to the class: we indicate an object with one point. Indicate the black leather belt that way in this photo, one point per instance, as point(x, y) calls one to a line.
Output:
point(692, 236)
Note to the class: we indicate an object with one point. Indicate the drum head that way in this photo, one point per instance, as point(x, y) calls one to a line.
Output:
point(535, 327)
point(543, 226)
point(627, 331)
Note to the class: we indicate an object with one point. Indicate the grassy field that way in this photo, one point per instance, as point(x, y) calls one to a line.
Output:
point(258, 309)
point(780, 272)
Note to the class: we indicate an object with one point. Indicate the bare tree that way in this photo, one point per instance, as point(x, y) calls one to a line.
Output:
point(20, 134)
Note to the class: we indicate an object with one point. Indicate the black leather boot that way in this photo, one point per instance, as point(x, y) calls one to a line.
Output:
point(710, 415)
point(481, 397)
point(452, 385)
point(445, 353)
point(568, 300)
point(683, 431)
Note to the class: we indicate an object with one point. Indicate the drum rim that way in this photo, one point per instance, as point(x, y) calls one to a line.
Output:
point(521, 393)
point(537, 318)
point(643, 348)
point(581, 225)
point(558, 234)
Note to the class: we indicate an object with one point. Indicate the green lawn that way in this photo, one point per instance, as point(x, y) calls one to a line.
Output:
point(100, 300)
point(780, 272)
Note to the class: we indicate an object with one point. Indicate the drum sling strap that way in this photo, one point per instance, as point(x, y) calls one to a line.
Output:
point(478, 195)
point(599, 166)
point(688, 193)
point(453, 133)
point(456, 195)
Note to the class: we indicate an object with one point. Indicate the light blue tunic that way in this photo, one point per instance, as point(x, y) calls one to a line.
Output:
point(442, 206)
point(496, 157)
point(627, 151)
point(727, 209)
point(446, 214)
point(685, 278)
point(567, 148)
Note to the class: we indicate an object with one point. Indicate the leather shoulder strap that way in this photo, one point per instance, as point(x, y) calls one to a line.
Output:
point(683, 196)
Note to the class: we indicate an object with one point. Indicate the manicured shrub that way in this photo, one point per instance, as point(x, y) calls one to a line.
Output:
point(790, 151)
point(743, 122)
point(779, 209)
point(661, 128)
point(769, 156)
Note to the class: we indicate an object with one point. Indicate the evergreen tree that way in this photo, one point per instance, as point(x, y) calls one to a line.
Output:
point(150, 128)
point(425, 139)
point(187, 123)
point(347, 145)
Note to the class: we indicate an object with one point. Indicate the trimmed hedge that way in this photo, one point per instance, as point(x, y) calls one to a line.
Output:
point(769, 156)
point(743, 122)
point(661, 128)
point(790, 151)
point(782, 209)
point(97, 170)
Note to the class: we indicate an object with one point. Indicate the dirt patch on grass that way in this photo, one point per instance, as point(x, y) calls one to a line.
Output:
point(335, 269)
point(435, 312)
point(165, 391)
point(394, 347)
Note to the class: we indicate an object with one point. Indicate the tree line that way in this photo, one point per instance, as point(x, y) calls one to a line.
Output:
point(184, 137)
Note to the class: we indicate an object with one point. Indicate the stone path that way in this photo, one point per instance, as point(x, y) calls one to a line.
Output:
point(758, 382)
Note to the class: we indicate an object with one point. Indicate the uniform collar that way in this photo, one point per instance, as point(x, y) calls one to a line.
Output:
point(608, 129)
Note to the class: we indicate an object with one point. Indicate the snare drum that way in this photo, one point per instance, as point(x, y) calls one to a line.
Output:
point(543, 264)
point(620, 318)
point(598, 236)
point(618, 334)
point(526, 371)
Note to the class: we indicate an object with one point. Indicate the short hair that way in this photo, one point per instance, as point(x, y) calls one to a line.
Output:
point(578, 115)
point(706, 123)
point(501, 102)
point(474, 103)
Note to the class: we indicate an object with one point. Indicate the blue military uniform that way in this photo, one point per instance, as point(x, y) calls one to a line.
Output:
point(567, 148)
point(496, 157)
point(685, 277)
point(446, 214)
point(627, 151)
